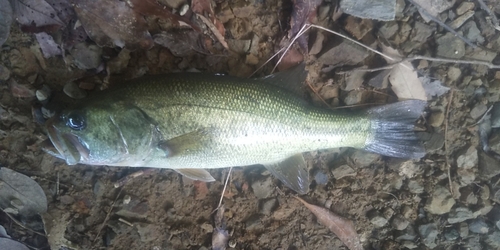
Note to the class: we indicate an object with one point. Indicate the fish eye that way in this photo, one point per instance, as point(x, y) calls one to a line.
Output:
point(76, 121)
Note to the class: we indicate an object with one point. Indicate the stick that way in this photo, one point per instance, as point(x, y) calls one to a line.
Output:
point(224, 189)
point(446, 141)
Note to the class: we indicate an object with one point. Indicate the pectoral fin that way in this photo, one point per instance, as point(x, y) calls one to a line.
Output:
point(196, 174)
point(186, 143)
point(292, 172)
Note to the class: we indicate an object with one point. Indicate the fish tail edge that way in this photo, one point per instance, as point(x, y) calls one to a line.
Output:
point(392, 129)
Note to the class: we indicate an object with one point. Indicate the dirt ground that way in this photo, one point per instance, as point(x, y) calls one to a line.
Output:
point(446, 200)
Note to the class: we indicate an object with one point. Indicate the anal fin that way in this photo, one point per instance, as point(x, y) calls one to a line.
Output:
point(196, 174)
point(292, 172)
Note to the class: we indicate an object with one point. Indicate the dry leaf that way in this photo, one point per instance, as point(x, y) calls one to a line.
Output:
point(112, 23)
point(302, 14)
point(36, 13)
point(343, 228)
point(20, 193)
point(151, 7)
point(205, 12)
point(200, 190)
point(404, 78)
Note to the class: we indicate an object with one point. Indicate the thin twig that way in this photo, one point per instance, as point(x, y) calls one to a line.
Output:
point(224, 189)
point(107, 216)
point(446, 27)
point(446, 141)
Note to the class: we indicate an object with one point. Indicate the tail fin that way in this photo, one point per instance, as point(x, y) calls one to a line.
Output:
point(392, 128)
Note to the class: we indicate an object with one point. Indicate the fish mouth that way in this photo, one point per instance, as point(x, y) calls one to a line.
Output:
point(66, 146)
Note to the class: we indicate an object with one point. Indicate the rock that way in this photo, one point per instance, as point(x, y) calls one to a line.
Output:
point(399, 222)
point(436, 119)
point(207, 227)
point(493, 240)
point(388, 29)
point(354, 97)
point(343, 171)
point(451, 234)
point(467, 195)
point(263, 188)
point(494, 216)
point(432, 141)
point(358, 27)
point(429, 234)
point(473, 242)
point(4, 73)
point(364, 159)
point(469, 159)
point(43, 94)
point(488, 166)
point(346, 53)
point(478, 111)
point(66, 200)
point(321, 178)
point(377, 219)
point(478, 226)
point(86, 56)
point(449, 46)
point(415, 187)
point(383, 10)
point(135, 209)
point(484, 193)
point(463, 229)
point(421, 32)
point(148, 232)
point(460, 214)
point(434, 8)
point(267, 207)
point(472, 33)
point(495, 115)
point(454, 73)
point(464, 7)
point(459, 21)
point(329, 91)
point(406, 234)
point(440, 202)
point(72, 90)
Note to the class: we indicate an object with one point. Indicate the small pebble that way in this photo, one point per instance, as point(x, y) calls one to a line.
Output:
point(43, 94)
point(464, 7)
point(478, 226)
point(72, 90)
point(436, 119)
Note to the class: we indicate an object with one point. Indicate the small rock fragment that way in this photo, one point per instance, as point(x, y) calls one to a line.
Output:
point(4, 73)
point(383, 10)
point(364, 159)
point(43, 94)
point(493, 240)
point(263, 188)
point(409, 169)
point(86, 56)
point(469, 159)
point(440, 202)
point(429, 234)
point(358, 27)
point(454, 73)
point(478, 111)
point(489, 167)
point(464, 7)
point(354, 97)
point(459, 21)
point(135, 209)
point(377, 219)
point(343, 171)
point(388, 29)
point(463, 228)
point(321, 178)
point(415, 187)
point(472, 33)
point(478, 226)
point(346, 53)
point(72, 90)
point(436, 119)
point(399, 222)
point(268, 206)
point(460, 214)
point(451, 234)
point(449, 46)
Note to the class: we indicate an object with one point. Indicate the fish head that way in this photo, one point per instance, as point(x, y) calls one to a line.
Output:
point(102, 134)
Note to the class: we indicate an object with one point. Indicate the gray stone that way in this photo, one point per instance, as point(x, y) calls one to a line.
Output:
point(451, 234)
point(495, 115)
point(464, 7)
point(473, 242)
point(488, 166)
point(472, 33)
point(383, 10)
point(429, 234)
point(463, 228)
point(5, 72)
point(436, 119)
point(421, 32)
point(321, 178)
point(377, 219)
point(454, 73)
point(135, 209)
point(399, 222)
point(478, 111)
point(459, 21)
point(460, 214)
point(440, 202)
point(409, 169)
point(364, 159)
point(469, 159)
point(493, 240)
point(354, 97)
point(478, 226)
point(389, 29)
point(72, 90)
point(415, 187)
point(86, 56)
point(432, 141)
point(494, 216)
point(346, 53)
point(263, 188)
point(450, 46)
point(343, 171)
point(267, 207)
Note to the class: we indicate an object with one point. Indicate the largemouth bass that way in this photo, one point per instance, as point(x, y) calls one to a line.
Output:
point(194, 121)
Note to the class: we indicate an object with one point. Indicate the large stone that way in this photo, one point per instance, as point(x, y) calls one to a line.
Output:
point(449, 46)
point(461, 214)
point(429, 234)
point(478, 226)
point(440, 202)
point(488, 166)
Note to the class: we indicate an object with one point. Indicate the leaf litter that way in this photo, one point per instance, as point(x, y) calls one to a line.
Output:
point(343, 228)
point(20, 194)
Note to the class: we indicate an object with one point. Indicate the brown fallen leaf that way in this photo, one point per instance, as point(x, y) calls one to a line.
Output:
point(113, 23)
point(303, 12)
point(205, 12)
point(404, 78)
point(200, 190)
point(343, 228)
